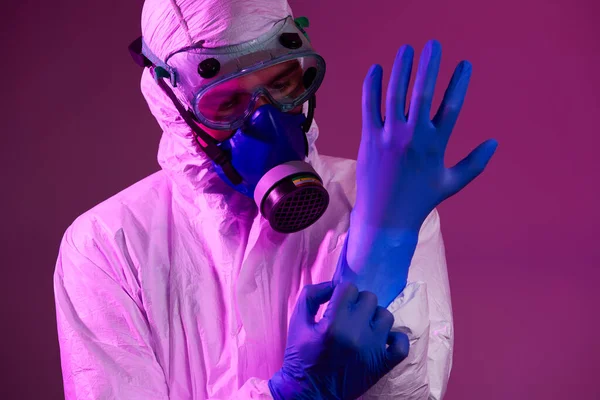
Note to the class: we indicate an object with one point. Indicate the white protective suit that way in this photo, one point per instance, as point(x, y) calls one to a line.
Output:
point(176, 289)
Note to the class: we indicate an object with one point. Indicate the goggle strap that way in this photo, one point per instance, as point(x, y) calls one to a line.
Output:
point(135, 50)
point(301, 23)
point(211, 150)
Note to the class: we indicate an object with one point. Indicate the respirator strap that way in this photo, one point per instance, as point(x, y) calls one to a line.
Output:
point(211, 149)
point(312, 104)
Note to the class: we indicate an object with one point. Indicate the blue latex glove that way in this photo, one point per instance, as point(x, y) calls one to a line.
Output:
point(385, 271)
point(342, 355)
point(400, 173)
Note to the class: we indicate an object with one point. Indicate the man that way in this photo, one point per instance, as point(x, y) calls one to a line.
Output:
point(188, 284)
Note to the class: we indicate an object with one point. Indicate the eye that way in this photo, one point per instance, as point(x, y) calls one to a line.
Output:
point(281, 85)
point(229, 105)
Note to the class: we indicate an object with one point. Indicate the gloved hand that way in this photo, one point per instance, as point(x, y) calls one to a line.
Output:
point(401, 176)
point(343, 354)
point(400, 173)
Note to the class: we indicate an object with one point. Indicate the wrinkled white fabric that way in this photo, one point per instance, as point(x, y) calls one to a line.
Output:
point(176, 289)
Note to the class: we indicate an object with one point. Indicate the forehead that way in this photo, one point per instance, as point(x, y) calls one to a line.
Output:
point(257, 78)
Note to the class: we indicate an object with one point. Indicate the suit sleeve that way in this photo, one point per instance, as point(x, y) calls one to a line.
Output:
point(106, 345)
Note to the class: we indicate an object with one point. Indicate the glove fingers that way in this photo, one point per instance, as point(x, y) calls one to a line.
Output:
point(344, 295)
point(398, 86)
point(471, 166)
point(312, 297)
point(422, 96)
point(383, 319)
point(371, 101)
point(366, 304)
point(398, 348)
point(454, 97)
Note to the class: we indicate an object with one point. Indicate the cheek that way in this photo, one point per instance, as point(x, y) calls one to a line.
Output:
point(223, 135)
point(216, 134)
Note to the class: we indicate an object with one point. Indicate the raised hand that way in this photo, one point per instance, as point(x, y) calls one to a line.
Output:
point(401, 175)
point(400, 172)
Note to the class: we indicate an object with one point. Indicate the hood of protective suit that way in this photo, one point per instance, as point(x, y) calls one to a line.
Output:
point(168, 26)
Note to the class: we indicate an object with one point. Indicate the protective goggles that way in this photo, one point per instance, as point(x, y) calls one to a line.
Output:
point(223, 85)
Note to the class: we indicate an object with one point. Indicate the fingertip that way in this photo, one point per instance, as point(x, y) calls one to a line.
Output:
point(404, 52)
point(432, 49)
point(399, 346)
point(466, 68)
point(403, 345)
point(375, 70)
point(434, 44)
point(319, 289)
point(484, 153)
point(372, 81)
point(410, 53)
point(378, 72)
point(494, 146)
point(491, 146)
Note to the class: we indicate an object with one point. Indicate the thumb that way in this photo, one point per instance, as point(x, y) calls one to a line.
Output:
point(471, 166)
point(311, 298)
point(398, 347)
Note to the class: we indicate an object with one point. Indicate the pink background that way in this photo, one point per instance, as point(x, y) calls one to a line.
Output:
point(521, 246)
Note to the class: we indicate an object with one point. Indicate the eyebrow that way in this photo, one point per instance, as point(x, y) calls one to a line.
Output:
point(286, 72)
point(222, 96)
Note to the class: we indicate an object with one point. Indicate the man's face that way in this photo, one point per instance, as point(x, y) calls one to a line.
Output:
point(231, 97)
